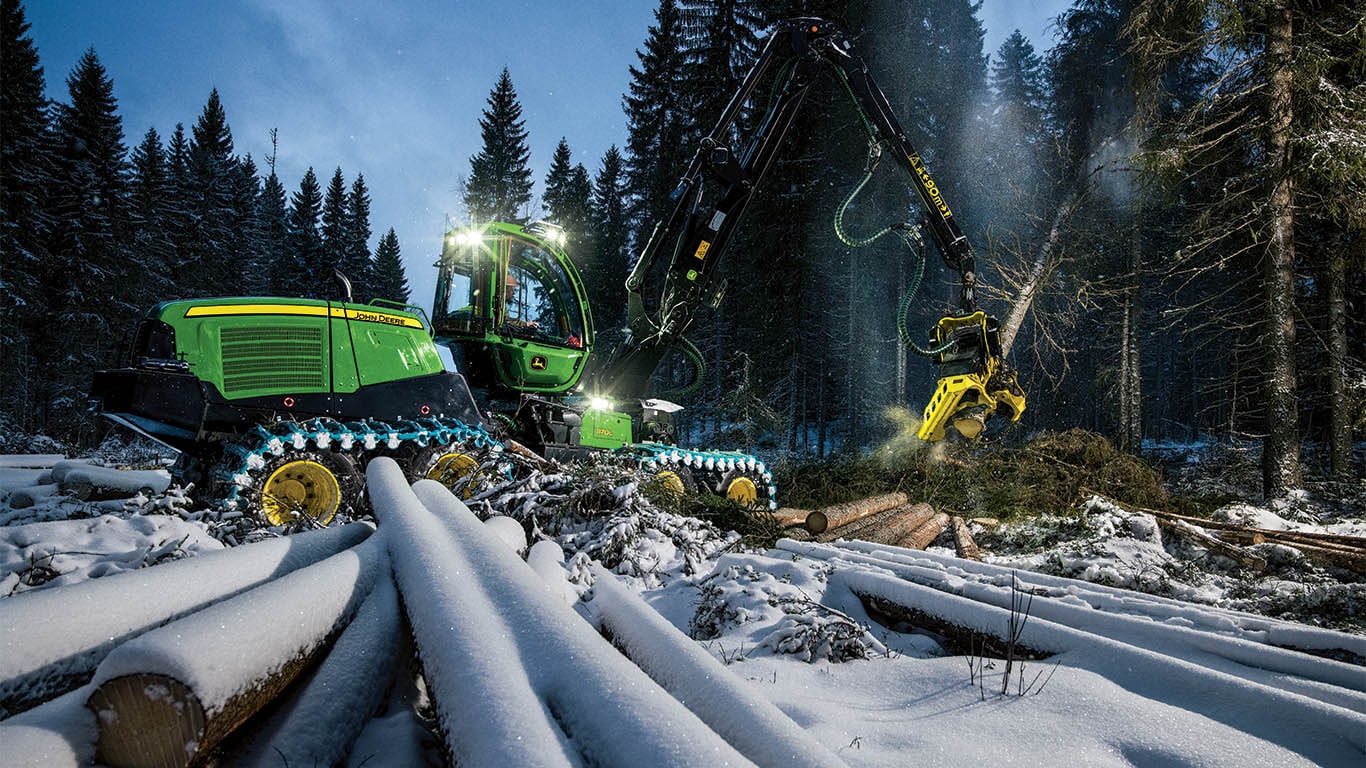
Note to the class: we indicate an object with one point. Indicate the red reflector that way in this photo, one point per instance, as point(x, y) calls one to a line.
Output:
point(425, 410)
point(289, 402)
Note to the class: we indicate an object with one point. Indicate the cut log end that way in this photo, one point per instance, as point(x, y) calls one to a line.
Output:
point(147, 720)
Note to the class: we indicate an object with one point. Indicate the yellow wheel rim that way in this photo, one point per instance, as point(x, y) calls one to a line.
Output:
point(451, 468)
point(301, 489)
point(743, 490)
point(672, 482)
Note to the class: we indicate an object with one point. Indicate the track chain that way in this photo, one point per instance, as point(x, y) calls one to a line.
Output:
point(245, 457)
point(710, 468)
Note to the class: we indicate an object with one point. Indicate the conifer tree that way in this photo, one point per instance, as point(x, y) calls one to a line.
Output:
point(357, 264)
point(656, 121)
point(605, 274)
point(567, 199)
point(150, 207)
point(334, 225)
point(391, 282)
point(86, 279)
point(25, 176)
point(248, 275)
point(307, 273)
point(499, 186)
point(214, 239)
point(1277, 135)
point(273, 258)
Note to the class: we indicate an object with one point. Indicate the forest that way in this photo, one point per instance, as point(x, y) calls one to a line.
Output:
point(1168, 208)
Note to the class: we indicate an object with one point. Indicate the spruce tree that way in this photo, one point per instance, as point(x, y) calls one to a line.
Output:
point(390, 280)
point(605, 273)
point(273, 258)
point(88, 277)
point(26, 165)
point(656, 119)
point(249, 276)
point(308, 272)
point(1274, 138)
point(214, 238)
point(499, 186)
point(334, 225)
point(356, 263)
point(150, 206)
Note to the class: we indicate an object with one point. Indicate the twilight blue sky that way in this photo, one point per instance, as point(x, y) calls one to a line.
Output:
point(391, 90)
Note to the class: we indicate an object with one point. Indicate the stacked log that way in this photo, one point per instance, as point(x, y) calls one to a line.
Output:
point(925, 534)
point(836, 515)
point(963, 543)
point(167, 697)
point(915, 516)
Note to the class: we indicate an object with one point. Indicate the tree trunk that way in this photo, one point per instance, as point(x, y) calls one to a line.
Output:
point(1131, 375)
point(1339, 425)
point(1281, 448)
point(1040, 269)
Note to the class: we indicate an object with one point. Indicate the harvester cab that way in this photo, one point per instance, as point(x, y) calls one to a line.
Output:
point(511, 308)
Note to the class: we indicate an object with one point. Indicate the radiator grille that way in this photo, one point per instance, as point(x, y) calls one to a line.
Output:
point(259, 361)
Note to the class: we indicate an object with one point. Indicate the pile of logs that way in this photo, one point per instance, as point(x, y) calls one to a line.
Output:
point(890, 518)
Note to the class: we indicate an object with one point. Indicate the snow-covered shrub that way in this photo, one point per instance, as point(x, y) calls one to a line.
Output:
point(812, 631)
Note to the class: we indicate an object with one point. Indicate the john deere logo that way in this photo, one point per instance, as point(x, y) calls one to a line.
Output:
point(538, 363)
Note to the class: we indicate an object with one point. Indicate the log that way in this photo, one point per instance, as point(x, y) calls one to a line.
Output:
point(813, 521)
point(986, 522)
point(1237, 554)
point(925, 533)
point(843, 514)
point(963, 543)
point(168, 697)
point(858, 528)
point(894, 531)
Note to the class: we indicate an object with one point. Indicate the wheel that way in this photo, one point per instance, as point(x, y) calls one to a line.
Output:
point(742, 489)
point(677, 480)
point(300, 491)
point(745, 488)
point(307, 490)
point(454, 466)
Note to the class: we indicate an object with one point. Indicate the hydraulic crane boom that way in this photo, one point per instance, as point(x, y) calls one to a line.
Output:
point(721, 179)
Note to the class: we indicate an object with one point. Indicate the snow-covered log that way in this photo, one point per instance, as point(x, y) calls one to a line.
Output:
point(733, 709)
point(23, 498)
point(58, 734)
point(1324, 733)
point(169, 696)
point(320, 718)
point(1244, 644)
point(51, 639)
point(89, 482)
point(30, 460)
point(518, 678)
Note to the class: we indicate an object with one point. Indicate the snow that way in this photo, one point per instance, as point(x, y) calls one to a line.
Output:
point(722, 656)
point(229, 647)
point(558, 693)
point(317, 723)
point(40, 656)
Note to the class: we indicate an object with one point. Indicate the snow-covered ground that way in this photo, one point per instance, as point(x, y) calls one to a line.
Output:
point(805, 654)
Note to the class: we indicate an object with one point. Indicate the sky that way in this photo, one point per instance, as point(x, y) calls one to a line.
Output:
point(392, 90)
